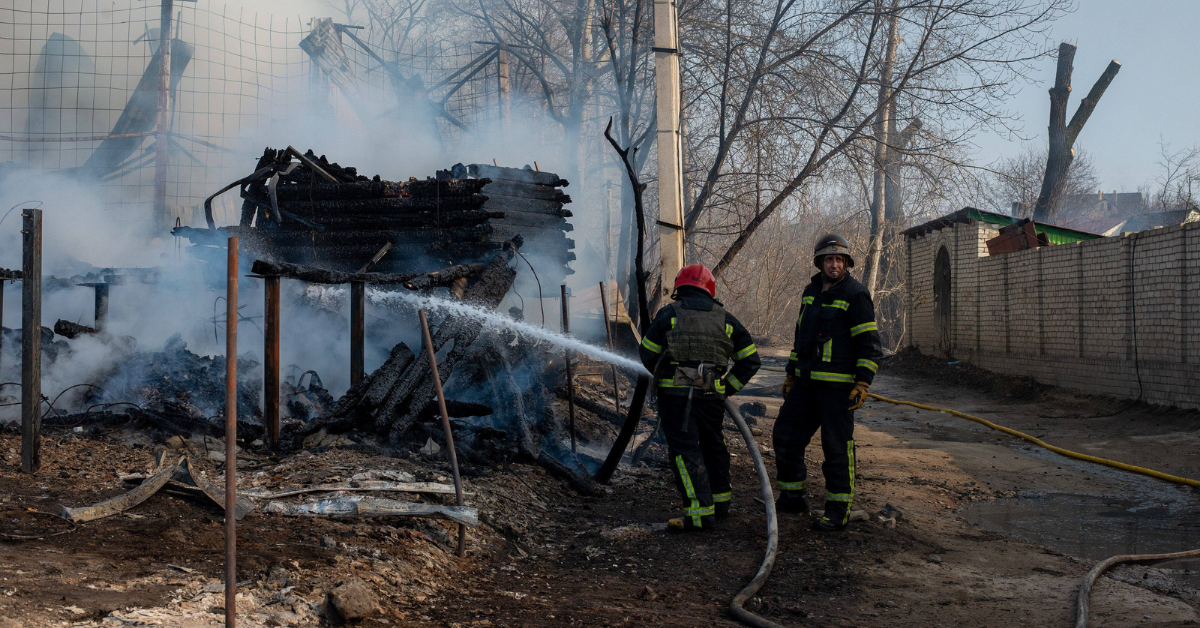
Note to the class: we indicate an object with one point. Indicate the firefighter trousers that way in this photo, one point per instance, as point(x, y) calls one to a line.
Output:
point(809, 406)
point(699, 458)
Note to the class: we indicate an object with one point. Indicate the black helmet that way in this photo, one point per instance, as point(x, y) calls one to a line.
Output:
point(830, 244)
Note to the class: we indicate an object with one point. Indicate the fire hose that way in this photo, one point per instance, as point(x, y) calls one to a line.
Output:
point(736, 607)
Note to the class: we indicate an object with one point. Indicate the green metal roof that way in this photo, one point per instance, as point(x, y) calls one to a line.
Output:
point(1056, 235)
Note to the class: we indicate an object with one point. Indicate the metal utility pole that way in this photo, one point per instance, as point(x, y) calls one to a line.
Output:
point(162, 216)
point(502, 77)
point(670, 142)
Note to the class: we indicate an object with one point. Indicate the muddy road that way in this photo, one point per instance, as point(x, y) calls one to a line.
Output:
point(993, 532)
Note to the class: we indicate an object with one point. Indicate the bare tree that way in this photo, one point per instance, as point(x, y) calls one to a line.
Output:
point(1179, 181)
point(1014, 183)
point(1063, 135)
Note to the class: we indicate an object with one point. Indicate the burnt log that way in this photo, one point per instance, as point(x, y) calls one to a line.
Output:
point(10, 275)
point(411, 281)
point(316, 209)
point(526, 190)
point(70, 330)
point(499, 173)
point(520, 204)
point(415, 392)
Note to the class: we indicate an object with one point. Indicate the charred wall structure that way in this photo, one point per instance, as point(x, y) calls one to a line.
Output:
point(304, 209)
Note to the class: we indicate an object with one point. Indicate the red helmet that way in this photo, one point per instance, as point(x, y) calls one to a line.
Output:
point(697, 275)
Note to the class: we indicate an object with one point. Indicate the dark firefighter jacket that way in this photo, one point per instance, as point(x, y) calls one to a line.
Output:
point(743, 358)
point(837, 339)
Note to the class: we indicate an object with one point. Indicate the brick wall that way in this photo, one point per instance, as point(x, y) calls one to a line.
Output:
point(1069, 315)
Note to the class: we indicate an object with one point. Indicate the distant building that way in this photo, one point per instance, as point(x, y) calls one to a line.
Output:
point(1153, 220)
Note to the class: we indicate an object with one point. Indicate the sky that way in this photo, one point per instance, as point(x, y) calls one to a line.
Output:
point(1155, 96)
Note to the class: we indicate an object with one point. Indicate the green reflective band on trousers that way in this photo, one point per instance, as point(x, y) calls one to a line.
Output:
point(793, 486)
point(722, 497)
point(846, 497)
point(841, 305)
point(733, 382)
point(745, 353)
point(695, 511)
point(869, 365)
point(827, 353)
point(822, 376)
point(865, 327)
point(652, 346)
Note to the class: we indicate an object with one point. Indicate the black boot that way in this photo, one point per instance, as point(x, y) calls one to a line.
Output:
point(722, 509)
point(837, 515)
point(686, 524)
point(792, 501)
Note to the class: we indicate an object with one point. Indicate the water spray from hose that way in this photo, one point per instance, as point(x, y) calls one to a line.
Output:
point(497, 320)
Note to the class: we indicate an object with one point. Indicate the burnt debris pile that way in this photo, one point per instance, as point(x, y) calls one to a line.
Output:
point(303, 209)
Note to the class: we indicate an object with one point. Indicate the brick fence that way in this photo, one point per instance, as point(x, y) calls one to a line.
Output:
point(1092, 316)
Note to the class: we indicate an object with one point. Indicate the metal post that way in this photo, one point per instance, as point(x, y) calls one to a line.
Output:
point(271, 366)
point(31, 343)
point(566, 327)
point(611, 347)
point(358, 305)
point(101, 306)
point(231, 323)
point(441, 397)
point(670, 141)
point(164, 113)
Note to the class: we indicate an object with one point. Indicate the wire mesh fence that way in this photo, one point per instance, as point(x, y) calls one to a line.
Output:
point(79, 86)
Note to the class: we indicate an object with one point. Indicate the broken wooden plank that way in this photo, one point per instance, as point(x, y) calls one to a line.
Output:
point(214, 492)
point(499, 173)
point(121, 503)
point(360, 506)
point(431, 488)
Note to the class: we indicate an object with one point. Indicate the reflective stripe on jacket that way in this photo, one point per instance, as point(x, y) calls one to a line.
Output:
point(837, 339)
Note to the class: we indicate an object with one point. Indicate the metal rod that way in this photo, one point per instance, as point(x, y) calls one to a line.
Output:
point(271, 366)
point(441, 397)
point(164, 113)
point(358, 306)
point(31, 343)
point(101, 306)
point(611, 347)
point(566, 328)
point(231, 317)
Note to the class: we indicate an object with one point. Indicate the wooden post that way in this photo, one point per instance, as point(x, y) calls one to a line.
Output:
point(441, 399)
point(611, 347)
point(101, 306)
point(31, 343)
point(231, 323)
point(271, 353)
point(358, 304)
point(164, 112)
point(566, 327)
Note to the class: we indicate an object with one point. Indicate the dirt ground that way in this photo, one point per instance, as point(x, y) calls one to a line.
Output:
point(547, 556)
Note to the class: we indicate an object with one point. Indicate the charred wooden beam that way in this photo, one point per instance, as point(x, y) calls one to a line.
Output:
point(70, 330)
point(10, 275)
point(497, 173)
point(316, 209)
point(296, 187)
point(412, 281)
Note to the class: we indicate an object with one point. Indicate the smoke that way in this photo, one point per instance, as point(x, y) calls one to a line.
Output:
point(90, 227)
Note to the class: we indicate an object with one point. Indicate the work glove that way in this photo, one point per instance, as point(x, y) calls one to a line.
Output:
point(858, 395)
point(788, 381)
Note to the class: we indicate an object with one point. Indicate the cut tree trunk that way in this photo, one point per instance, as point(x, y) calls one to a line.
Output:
point(1062, 134)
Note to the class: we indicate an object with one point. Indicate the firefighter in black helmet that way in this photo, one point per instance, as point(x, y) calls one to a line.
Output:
point(699, 354)
point(834, 358)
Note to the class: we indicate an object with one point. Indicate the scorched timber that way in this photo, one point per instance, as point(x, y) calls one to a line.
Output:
point(322, 191)
point(321, 275)
point(372, 206)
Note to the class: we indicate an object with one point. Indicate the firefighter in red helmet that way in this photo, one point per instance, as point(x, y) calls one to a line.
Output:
point(699, 354)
